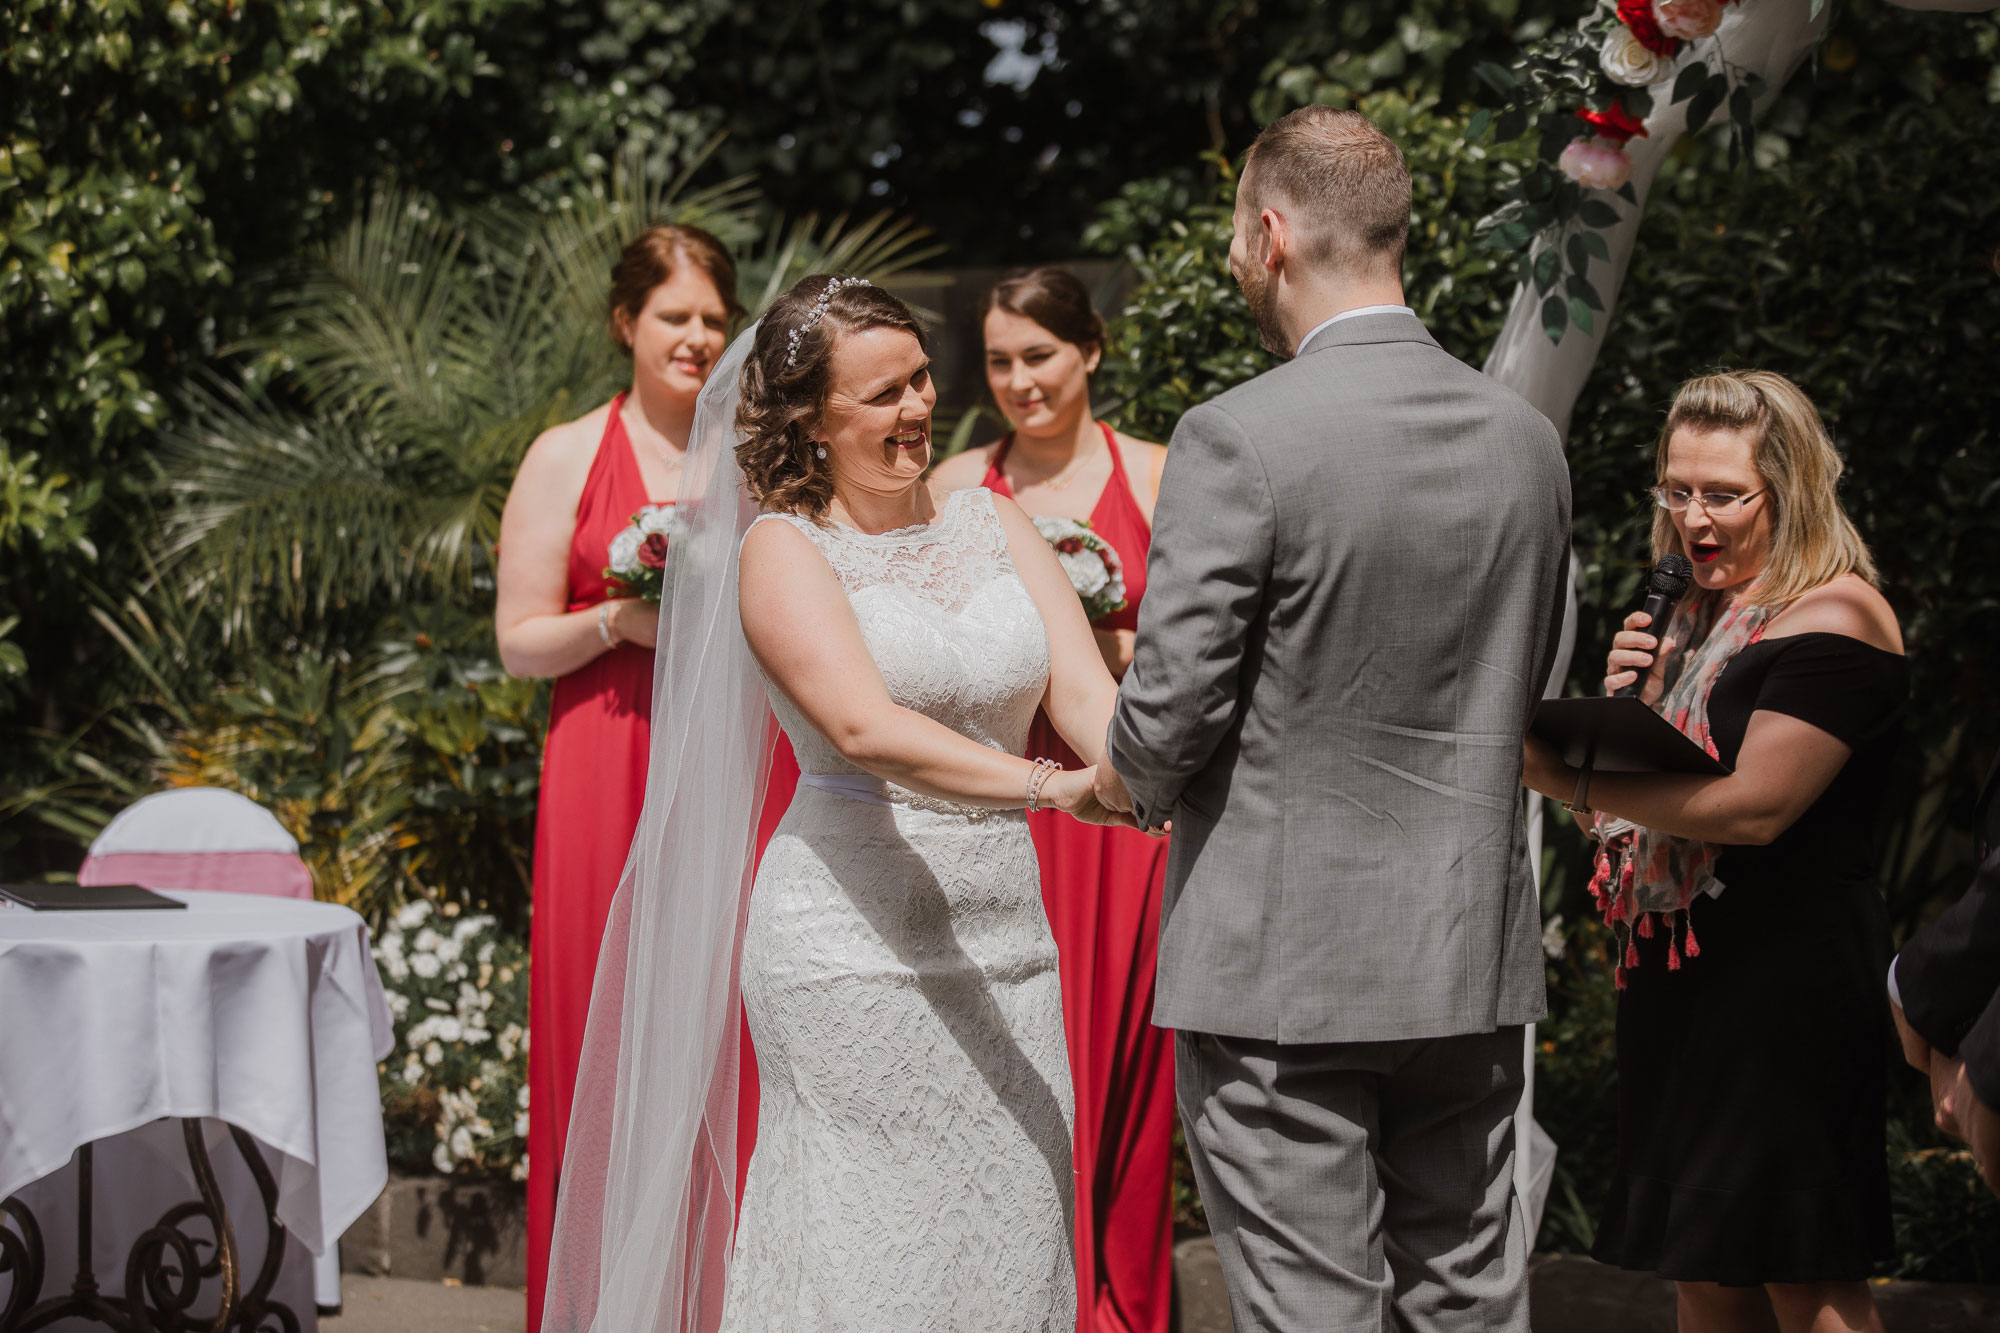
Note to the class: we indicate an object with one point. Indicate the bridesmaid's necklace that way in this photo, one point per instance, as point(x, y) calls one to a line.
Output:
point(671, 459)
point(1060, 479)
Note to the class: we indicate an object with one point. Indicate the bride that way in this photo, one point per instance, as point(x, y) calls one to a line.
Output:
point(913, 1165)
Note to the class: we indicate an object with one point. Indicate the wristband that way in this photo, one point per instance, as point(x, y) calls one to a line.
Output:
point(604, 632)
point(1579, 801)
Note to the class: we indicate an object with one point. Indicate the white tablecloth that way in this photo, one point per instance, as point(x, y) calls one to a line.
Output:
point(266, 1013)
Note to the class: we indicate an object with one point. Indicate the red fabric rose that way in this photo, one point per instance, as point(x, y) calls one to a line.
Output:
point(1614, 122)
point(1638, 16)
point(1070, 545)
point(653, 551)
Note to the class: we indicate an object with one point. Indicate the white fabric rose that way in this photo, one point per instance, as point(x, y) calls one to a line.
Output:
point(656, 518)
point(625, 551)
point(1626, 60)
point(1086, 571)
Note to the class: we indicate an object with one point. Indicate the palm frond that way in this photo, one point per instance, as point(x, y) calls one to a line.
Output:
point(875, 248)
point(371, 319)
point(312, 510)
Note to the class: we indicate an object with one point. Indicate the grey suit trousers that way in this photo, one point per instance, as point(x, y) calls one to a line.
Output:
point(1357, 1187)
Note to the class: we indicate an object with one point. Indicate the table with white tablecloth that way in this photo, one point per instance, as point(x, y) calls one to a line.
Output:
point(239, 1036)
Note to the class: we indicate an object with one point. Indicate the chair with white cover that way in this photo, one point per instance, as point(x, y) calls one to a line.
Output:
point(198, 838)
point(214, 840)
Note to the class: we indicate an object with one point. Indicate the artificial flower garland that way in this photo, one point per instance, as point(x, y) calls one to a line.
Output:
point(1614, 60)
point(1640, 51)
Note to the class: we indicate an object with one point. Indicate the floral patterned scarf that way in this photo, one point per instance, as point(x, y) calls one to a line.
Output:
point(1642, 873)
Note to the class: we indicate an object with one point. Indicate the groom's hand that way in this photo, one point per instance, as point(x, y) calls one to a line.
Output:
point(1075, 794)
point(1110, 788)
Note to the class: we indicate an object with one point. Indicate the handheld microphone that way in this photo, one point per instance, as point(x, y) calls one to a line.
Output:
point(1669, 580)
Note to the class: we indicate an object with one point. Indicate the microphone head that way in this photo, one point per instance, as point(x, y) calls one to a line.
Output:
point(1671, 576)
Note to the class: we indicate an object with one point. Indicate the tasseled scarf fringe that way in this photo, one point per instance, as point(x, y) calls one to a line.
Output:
point(1611, 904)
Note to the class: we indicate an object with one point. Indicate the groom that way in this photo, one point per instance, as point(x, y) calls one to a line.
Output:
point(1352, 603)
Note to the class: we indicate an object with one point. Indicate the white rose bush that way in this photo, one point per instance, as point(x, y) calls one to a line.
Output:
point(455, 1089)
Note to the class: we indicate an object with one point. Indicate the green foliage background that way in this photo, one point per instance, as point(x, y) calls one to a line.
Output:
point(177, 179)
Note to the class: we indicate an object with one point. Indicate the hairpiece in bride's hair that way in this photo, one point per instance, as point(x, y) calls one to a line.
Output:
point(815, 315)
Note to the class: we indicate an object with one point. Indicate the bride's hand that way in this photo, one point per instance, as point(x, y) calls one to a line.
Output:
point(1073, 791)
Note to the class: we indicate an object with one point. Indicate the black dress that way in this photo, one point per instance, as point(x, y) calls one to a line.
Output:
point(1752, 1081)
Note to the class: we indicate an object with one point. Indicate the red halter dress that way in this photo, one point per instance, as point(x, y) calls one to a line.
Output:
point(1101, 888)
point(593, 786)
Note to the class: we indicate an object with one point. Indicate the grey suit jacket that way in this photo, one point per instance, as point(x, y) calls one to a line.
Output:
point(1352, 603)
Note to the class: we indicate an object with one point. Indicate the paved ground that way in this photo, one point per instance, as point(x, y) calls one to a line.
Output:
point(404, 1305)
point(1570, 1296)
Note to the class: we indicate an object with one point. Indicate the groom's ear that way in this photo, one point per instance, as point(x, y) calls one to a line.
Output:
point(1279, 241)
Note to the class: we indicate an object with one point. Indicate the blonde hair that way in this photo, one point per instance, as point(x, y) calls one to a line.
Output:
point(1813, 542)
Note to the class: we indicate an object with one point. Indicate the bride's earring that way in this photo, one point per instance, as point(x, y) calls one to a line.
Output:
point(821, 451)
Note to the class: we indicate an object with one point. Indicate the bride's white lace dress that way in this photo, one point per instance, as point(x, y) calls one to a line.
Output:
point(912, 1169)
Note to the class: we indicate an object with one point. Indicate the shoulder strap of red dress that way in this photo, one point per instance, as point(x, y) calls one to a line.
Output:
point(1118, 477)
point(614, 449)
point(1118, 490)
point(995, 479)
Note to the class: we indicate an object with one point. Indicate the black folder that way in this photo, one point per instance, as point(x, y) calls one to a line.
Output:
point(86, 897)
point(1612, 735)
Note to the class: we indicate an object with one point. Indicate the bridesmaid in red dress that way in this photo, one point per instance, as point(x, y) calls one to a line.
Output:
point(672, 300)
point(1101, 886)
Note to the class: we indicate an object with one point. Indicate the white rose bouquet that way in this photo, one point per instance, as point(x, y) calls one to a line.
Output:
point(1093, 565)
point(639, 554)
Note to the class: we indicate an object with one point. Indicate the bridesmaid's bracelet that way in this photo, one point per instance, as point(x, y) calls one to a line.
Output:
point(604, 626)
point(1043, 767)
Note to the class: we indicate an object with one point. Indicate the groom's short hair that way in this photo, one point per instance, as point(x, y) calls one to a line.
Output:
point(1345, 182)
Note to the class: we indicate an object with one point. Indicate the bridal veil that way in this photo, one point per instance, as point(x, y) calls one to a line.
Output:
point(647, 1201)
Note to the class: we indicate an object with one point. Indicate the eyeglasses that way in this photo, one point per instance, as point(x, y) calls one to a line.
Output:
point(1719, 504)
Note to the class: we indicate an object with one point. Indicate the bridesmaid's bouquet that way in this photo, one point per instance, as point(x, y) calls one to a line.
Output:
point(638, 555)
point(1092, 563)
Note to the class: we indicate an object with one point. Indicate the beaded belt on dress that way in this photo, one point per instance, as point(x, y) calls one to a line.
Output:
point(871, 790)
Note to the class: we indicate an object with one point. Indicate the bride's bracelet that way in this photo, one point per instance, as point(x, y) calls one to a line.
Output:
point(1036, 779)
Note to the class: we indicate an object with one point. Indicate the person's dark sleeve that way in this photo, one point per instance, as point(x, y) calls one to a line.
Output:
point(1848, 689)
point(1981, 1052)
point(1948, 972)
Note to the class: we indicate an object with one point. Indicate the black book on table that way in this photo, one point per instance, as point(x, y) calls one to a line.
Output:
point(86, 897)
point(1613, 735)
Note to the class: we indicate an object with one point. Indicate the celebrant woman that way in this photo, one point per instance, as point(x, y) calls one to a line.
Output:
point(671, 303)
point(1753, 938)
point(1100, 885)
